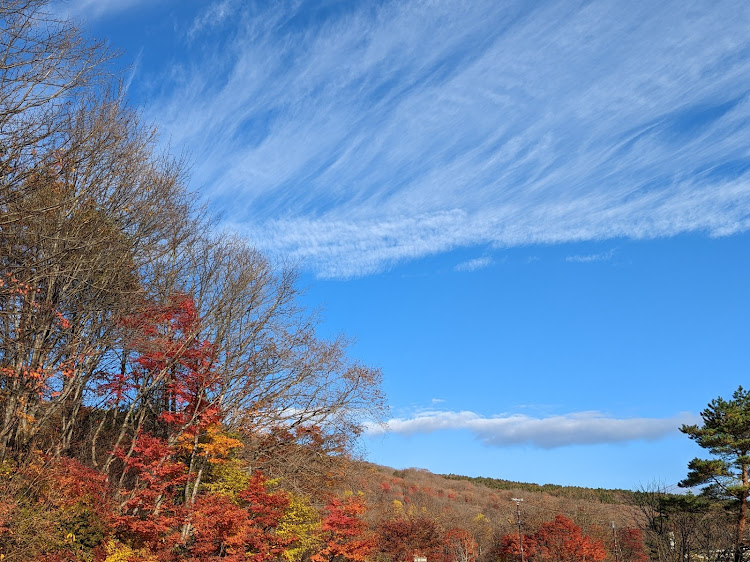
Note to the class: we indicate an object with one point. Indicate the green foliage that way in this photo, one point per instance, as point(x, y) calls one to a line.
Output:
point(726, 434)
point(601, 495)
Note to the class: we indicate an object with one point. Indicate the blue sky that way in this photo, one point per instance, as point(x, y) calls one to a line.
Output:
point(533, 216)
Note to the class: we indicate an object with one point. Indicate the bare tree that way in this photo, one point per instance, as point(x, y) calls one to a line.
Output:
point(77, 235)
point(85, 203)
point(96, 227)
point(45, 64)
point(295, 395)
point(682, 527)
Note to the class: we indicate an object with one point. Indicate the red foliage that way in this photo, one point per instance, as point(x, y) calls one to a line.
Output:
point(150, 514)
point(219, 529)
point(169, 351)
point(344, 532)
point(265, 510)
point(78, 484)
point(559, 540)
point(244, 531)
point(401, 539)
point(630, 544)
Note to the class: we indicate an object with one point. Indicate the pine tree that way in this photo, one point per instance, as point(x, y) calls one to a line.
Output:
point(726, 434)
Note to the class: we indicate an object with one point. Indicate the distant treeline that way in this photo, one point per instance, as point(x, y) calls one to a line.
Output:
point(601, 495)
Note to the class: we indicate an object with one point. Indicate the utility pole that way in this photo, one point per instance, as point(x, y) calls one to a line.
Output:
point(518, 518)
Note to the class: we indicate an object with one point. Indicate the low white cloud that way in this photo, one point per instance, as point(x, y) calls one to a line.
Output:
point(580, 428)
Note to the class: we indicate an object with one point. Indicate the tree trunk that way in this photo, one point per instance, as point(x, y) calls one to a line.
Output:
point(742, 519)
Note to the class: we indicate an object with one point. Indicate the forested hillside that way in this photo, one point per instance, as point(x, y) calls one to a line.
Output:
point(163, 396)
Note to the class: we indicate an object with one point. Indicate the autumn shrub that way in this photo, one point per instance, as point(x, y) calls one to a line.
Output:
point(53, 509)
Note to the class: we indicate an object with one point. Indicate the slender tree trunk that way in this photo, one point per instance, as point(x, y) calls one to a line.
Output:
point(742, 520)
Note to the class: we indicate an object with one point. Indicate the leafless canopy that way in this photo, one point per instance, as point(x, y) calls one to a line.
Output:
point(97, 225)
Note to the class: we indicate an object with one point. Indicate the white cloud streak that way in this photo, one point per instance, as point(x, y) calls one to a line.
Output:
point(94, 9)
point(581, 428)
point(475, 264)
point(214, 15)
point(602, 256)
point(356, 140)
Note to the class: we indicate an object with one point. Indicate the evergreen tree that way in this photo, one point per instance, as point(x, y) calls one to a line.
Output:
point(726, 434)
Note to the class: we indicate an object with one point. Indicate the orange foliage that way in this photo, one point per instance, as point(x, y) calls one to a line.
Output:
point(559, 540)
point(461, 546)
point(238, 531)
point(344, 532)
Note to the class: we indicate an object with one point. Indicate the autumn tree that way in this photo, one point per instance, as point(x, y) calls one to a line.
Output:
point(170, 387)
point(302, 526)
point(401, 538)
point(629, 545)
point(460, 546)
point(344, 533)
point(151, 512)
point(725, 432)
point(559, 540)
point(240, 529)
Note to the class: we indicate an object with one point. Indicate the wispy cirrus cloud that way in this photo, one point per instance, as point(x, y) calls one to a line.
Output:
point(580, 428)
point(588, 258)
point(360, 136)
point(214, 15)
point(475, 264)
point(94, 9)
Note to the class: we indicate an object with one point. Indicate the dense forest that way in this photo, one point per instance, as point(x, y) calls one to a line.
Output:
point(163, 396)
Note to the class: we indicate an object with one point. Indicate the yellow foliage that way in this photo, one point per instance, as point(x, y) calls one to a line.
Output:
point(302, 522)
point(118, 552)
point(7, 468)
point(227, 478)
